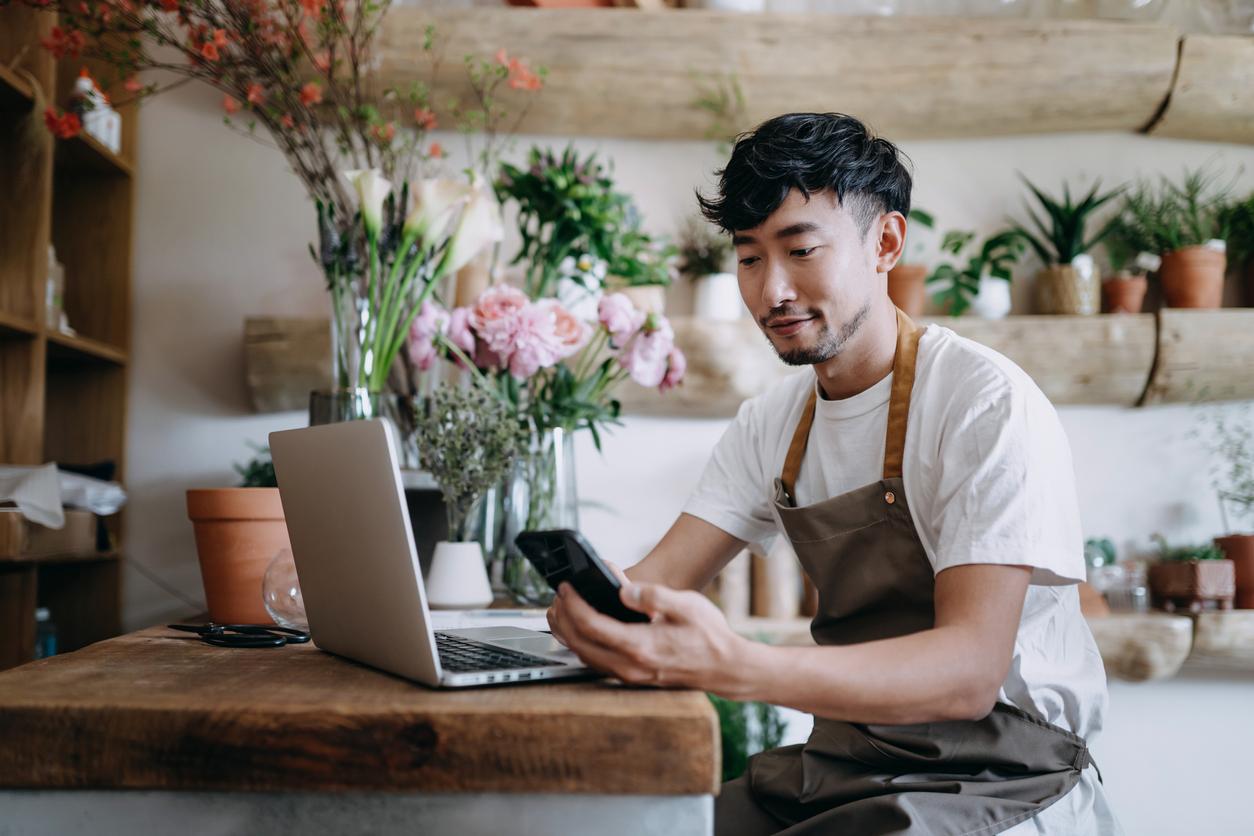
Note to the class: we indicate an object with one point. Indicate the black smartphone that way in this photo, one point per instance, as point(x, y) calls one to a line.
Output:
point(561, 554)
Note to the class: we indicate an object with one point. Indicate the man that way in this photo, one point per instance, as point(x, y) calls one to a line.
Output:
point(926, 486)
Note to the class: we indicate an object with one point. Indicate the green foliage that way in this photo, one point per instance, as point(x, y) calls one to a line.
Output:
point(570, 207)
point(924, 219)
point(746, 728)
point(956, 283)
point(1170, 216)
point(1099, 551)
point(1063, 237)
point(1181, 554)
point(1238, 219)
point(723, 99)
point(467, 441)
point(703, 249)
point(1231, 443)
point(258, 472)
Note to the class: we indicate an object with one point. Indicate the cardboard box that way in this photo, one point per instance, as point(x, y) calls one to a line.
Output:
point(19, 537)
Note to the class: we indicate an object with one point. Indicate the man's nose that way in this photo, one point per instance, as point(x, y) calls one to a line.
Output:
point(777, 289)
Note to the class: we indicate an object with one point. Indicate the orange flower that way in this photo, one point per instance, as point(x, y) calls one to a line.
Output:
point(425, 119)
point(313, 8)
point(64, 126)
point(170, 5)
point(256, 95)
point(64, 42)
point(287, 121)
point(133, 84)
point(502, 58)
point(436, 151)
point(229, 104)
point(521, 77)
point(310, 94)
point(322, 61)
point(209, 51)
point(219, 37)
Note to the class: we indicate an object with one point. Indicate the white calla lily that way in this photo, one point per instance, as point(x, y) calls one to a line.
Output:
point(480, 226)
point(372, 189)
point(436, 202)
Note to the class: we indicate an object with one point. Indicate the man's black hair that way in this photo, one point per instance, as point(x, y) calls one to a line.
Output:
point(809, 152)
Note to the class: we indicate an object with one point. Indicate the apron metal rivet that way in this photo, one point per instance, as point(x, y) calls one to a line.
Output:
point(890, 497)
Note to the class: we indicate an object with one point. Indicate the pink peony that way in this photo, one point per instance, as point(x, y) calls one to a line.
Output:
point(536, 343)
point(459, 331)
point(495, 315)
point(620, 318)
point(647, 355)
point(432, 320)
point(571, 331)
point(676, 367)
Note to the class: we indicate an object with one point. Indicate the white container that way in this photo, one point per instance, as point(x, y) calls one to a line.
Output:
point(458, 579)
point(717, 296)
point(750, 6)
point(993, 299)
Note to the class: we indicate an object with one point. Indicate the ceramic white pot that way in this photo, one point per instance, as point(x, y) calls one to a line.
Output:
point(733, 5)
point(993, 299)
point(458, 579)
point(717, 296)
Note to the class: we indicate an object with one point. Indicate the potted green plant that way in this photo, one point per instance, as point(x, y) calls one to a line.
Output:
point(1185, 225)
point(642, 267)
point(238, 533)
point(1123, 289)
point(746, 728)
point(704, 257)
point(1238, 219)
point(468, 439)
point(1232, 443)
point(982, 284)
point(1068, 283)
point(907, 281)
point(1191, 576)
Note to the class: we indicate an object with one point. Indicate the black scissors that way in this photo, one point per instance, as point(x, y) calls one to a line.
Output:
point(244, 635)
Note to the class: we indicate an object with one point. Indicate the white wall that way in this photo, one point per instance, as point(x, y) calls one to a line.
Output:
point(221, 233)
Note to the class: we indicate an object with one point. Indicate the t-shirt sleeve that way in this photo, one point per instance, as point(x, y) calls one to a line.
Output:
point(1006, 490)
point(734, 491)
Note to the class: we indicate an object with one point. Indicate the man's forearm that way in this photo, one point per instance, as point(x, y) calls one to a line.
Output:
point(939, 674)
point(688, 557)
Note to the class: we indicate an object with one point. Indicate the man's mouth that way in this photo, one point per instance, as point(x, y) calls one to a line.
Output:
point(786, 326)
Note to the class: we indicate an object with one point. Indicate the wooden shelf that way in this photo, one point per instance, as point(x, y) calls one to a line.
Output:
point(85, 154)
point(16, 326)
point(57, 559)
point(623, 73)
point(75, 349)
point(1203, 356)
point(15, 92)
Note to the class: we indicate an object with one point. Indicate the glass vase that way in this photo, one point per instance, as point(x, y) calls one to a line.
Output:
point(361, 404)
point(539, 494)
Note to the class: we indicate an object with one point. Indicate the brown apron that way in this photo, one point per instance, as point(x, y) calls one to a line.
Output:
point(875, 581)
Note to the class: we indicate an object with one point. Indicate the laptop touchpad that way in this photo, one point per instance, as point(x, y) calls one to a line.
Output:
point(539, 645)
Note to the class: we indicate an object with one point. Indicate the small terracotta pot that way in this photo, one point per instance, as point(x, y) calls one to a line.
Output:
point(1062, 289)
point(1191, 583)
point(1193, 277)
point(238, 533)
point(1124, 294)
point(1239, 548)
point(906, 288)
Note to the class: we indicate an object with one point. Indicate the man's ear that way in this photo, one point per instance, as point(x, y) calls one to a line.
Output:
point(890, 233)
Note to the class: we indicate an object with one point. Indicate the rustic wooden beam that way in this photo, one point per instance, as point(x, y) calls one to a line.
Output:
point(285, 359)
point(617, 72)
point(1203, 355)
point(1213, 97)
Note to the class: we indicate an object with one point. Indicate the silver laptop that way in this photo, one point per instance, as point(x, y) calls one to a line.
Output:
point(359, 571)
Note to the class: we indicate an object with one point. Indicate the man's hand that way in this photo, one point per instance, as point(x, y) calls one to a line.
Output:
point(686, 643)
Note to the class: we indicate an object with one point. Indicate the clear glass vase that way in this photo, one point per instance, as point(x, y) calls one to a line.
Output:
point(539, 493)
point(360, 404)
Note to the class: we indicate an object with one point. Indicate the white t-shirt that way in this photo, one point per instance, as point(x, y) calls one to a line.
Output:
point(988, 478)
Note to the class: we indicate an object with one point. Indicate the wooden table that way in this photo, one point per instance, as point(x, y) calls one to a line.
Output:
point(290, 740)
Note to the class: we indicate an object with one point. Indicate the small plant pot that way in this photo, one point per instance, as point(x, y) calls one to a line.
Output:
point(238, 533)
point(458, 578)
point(1239, 548)
point(906, 288)
point(1063, 289)
point(1123, 294)
point(1192, 584)
point(992, 300)
point(1193, 277)
point(717, 297)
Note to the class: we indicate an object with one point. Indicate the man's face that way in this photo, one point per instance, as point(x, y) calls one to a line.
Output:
point(809, 276)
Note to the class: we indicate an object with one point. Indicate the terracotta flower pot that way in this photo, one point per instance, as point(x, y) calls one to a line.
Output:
point(1191, 584)
point(1123, 294)
point(906, 288)
point(238, 533)
point(1239, 548)
point(1062, 289)
point(1193, 278)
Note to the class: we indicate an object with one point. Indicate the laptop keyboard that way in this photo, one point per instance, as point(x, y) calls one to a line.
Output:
point(460, 655)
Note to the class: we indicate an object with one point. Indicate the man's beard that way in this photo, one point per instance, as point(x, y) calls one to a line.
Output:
point(828, 345)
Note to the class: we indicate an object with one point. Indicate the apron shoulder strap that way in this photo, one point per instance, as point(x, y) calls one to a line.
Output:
point(898, 411)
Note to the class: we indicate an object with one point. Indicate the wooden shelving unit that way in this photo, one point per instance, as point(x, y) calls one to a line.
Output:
point(62, 397)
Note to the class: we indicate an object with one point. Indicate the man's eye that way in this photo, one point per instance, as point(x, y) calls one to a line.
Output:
point(748, 261)
point(804, 251)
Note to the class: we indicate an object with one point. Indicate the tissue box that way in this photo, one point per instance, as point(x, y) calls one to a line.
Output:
point(19, 537)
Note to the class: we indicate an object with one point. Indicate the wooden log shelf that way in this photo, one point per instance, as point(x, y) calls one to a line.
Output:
point(296, 718)
point(1174, 356)
point(637, 74)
